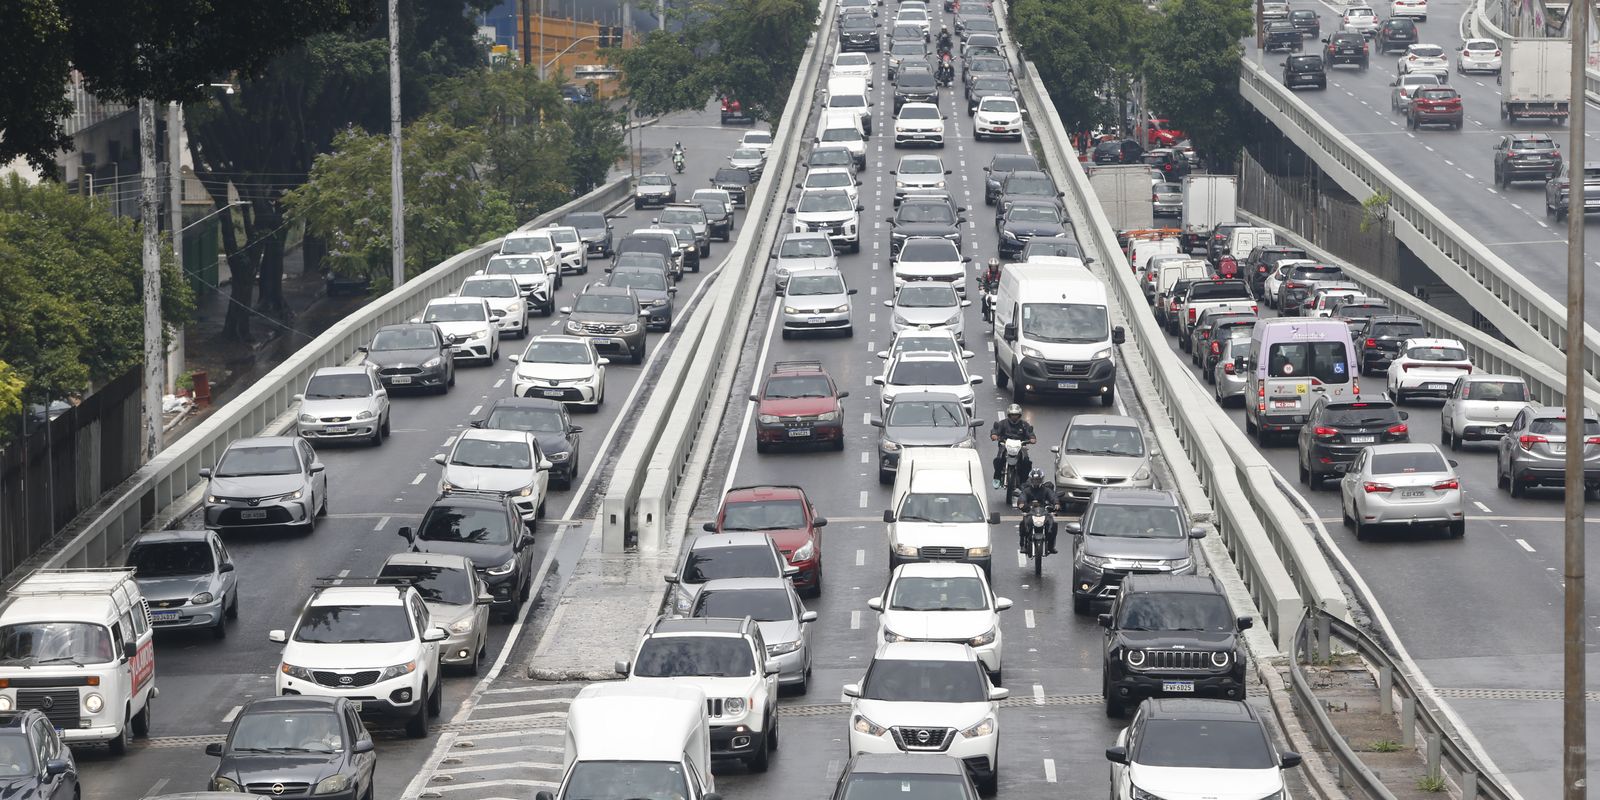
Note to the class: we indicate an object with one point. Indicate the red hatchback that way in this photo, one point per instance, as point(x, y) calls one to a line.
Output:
point(785, 514)
point(799, 404)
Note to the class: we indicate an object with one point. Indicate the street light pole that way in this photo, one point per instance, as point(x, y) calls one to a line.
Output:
point(541, 40)
point(397, 201)
point(149, 217)
point(175, 359)
point(1574, 714)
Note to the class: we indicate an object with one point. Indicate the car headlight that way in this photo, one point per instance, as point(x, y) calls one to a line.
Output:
point(983, 728)
point(681, 601)
point(908, 550)
point(889, 445)
point(805, 552)
point(1176, 564)
point(573, 326)
point(842, 309)
point(767, 419)
point(891, 636)
point(1095, 562)
point(659, 303)
point(432, 362)
point(733, 706)
point(899, 320)
point(221, 784)
point(828, 416)
point(978, 552)
point(503, 569)
point(863, 725)
point(1140, 794)
point(1029, 352)
point(294, 495)
point(202, 598)
point(479, 334)
point(783, 647)
point(332, 784)
point(955, 319)
point(557, 458)
point(1101, 354)
point(939, 185)
point(397, 670)
point(295, 672)
point(446, 486)
point(211, 498)
point(982, 639)
point(365, 415)
point(93, 703)
point(526, 491)
point(461, 625)
point(1006, 232)
point(1221, 658)
point(1143, 473)
point(790, 310)
point(5, 702)
point(632, 327)
point(1135, 658)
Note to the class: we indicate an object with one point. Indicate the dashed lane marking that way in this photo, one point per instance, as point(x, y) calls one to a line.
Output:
point(420, 477)
point(1027, 617)
point(1525, 545)
point(861, 557)
point(855, 619)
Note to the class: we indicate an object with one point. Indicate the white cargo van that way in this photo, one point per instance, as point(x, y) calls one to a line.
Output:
point(1140, 251)
point(843, 129)
point(940, 512)
point(850, 94)
point(633, 740)
point(1241, 241)
point(78, 646)
point(1053, 334)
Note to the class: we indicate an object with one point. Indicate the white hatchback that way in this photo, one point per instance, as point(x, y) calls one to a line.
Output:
point(504, 296)
point(1478, 55)
point(934, 601)
point(1415, 9)
point(930, 258)
point(931, 303)
point(998, 118)
point(852, 65)
point(498, 461)
point(919, 123)
point(1427, 368)
point(1359, 19)
point(1423, 59)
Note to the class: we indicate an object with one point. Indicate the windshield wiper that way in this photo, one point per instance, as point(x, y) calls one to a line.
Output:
point(58, 659)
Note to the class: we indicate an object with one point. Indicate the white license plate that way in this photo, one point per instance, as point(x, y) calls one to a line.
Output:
point(253, 513)
point(599, 340)
point(797, 433)
point(553, 393)
point(1179, 687)
point(338, 429)
point(400, 379)
point(164, 616)
point(1436, 386)
point(355, 705)
point(1363, 439)
point(1285, 403)
point(1067, 385)
point(815, 320)
point(1558, 449)
point(1412, 493)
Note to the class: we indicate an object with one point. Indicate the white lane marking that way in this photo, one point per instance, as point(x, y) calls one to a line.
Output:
point(864, 499)
point(156, 789)
point(866, 419)
point(868, 379)
point(382, 521)
point(861, 557)
point(419, 478)
point(1525, 545)
point(474, 411)
point(865, 457)
point(499, 383)
point(450, 441)
point(855, 619)
point(872, 316)
point(1027, 617)
point(1038, 695)
point(1482, 507)
point(1049, 770)
point(232, 712)
point(344, 573)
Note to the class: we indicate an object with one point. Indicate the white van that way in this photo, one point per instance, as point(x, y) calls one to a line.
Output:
point(941, 511)
point(1053, 334)
point(849, 94)
point(1141, 250)
point(1241, 241)
point(622, 736)
point(1291, 362)
point(78, 645)
point(843, 129)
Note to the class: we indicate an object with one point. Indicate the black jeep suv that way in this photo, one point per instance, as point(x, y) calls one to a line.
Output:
point(1171, 635)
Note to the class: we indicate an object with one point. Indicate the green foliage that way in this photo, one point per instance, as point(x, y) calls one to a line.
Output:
point(1193, 76)
point(1088, 54)
point(11, 384)
point(450, 204)
point(71, 291)
point(598, 142)
point(522, 121)
point(1384, 746)
point(1432, 783)
point(661, 74)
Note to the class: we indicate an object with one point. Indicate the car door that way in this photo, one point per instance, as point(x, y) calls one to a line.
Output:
point(480, 610)
point(380, 397)
point(318, 481)
point(1350, 483)
point(227, 578)
point(1452, 405)
point(45, 747)
point(366, 764)
point(419, 615)
point(1503, 457)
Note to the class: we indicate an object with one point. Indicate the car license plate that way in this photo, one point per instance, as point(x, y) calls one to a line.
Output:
point(1558, 449)
point(253, 513)
point(1067, 385)
point(797, 433)
point(1412, 493)
point(814, 320)
point(1363, 439)
point(1436, 386)
point(355, 705)
point(1284, 403)
point(401, 379)
point(599, 340)
point(338, 429)
point(1178, 687)
point(164, 616)
point(553, 393)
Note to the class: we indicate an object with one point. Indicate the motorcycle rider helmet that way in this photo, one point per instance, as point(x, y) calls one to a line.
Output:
point(1036, 478)
point(1014, 412)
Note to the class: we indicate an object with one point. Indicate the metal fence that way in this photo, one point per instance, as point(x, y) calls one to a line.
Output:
point(1342, 227)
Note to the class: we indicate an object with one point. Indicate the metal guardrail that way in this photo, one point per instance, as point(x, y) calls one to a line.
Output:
point(1442, 745)
point(102, 531)
point(1276, 553)
point(648, 473)
point(1528, 316)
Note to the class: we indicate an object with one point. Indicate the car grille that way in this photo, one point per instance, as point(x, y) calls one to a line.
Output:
point(1186, 660)
point(341, 680)
point(943, 278)
point(923, 739)
point(714, 706)
point(336, 419)
point(60, 705)
point(235, 516)
point(280, 789)
point(824, 227)
point(942, 552)
point(600, 327)
point(1068, 369)
point(166, 603)
point(1103, 481)
point(400, 371)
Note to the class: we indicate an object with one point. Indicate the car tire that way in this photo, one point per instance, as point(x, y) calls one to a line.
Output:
point(142, 720)
point(1305, 474)
point(1109, 398)
point(760, 759)
point(476, 665)
point(417, 725)
point(762, 447)
point(785, 334)
point(1344, 516)
point(1362, 531)
point(220, 630)
point(1515, 486)
point(1114, 707)
point(1500, 479)
point(385, 426)
point(232, 611)
point(436, 697)
point(1458, 528)
point(1081, 605)
point(119, 745)
point(885, 477)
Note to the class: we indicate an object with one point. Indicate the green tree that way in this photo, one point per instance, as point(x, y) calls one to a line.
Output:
point(450, 204)
point(531, 149)
point(598, 142)
point(71, 291)
point(1088, 54)
point(1193, 78)
point(11, 384)
point(661, 74)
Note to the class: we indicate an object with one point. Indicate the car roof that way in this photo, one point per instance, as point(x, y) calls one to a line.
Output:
point(701, 625)
point(925, 651)
point(904, 764)
point(938, 569)
point(162, 537)
point(1405, 447)
point(263, 441)
point(744, 584)
point(492, 435)
point(1135, 497)
point(531, 233)
point(1428, 341)
point(923, 397)
point(797, 368)
point(366, 595)
point(745, 494)
point(440, 560)
point(1098, 420)
point(493, 502)
point(1187, 584)
point(1196, 708)
point(602, 289)
point(542, 403)
point(290, 702)
point(357, 369)
point(713, 541)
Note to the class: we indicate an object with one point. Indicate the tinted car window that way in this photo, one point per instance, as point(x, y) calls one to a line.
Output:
point(1504, 391)
point(1324, 361)
point(1404, 463)
point(1397, 329)
point(1138, 522)
point(766, 515)
point(1204, 744)
point(1173, 611)
point(925, 682)
point(335, 624)
point(678, 656)
point(1557, 426)
point(1360, 414)
point(711, 563)
point(874, 786)
point(170, 559)
point(470, 525)
point(761, 605)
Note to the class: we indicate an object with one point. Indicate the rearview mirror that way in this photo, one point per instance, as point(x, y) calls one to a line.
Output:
point(363, 745)
point(277, 635)
point(1245, 623)
point(213, 749)
point(888, 515)
point(1117, 755)
point(621, 667)
point(709, 527)
point(994, 518)
point(852, 690)
point(1104, 620)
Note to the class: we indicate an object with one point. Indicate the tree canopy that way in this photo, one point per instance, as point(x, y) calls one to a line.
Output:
point(1088, 54)
point(1194, 80)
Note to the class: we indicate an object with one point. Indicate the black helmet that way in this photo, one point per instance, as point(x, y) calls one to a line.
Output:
point(1036, 477)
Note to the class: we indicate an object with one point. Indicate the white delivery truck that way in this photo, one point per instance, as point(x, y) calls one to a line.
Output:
point(1537, 80)
point(78, 646)
point(1124, 191)
point(1208, 201)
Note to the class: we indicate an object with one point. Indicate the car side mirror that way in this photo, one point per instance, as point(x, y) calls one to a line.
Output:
point(435, 634)
point(566, 309)
point(852, 690)
point(1453, 463)
point(622, 667)
point(524, 541)
point(1117, 755)
point(671, 577)
point(1118, 335)
point(213, 749)
point(975, 380)
point(877, 380)
point(1002, 604)
point(790, 209)
point(604, 361)
point(363, 745)
point(1324, 40)
point(406, 533)
point(819, 522)
point(317, 467)
point(484, 598)
point(843, 395)
point(965, 303)
point(850, 291)
point(998, 693)
point(1394, 83)
point(772, 667)
point(205, 472)
point(226, 566)
point(543, 794)
point(994, 518)
point(977, 423)
point(888, 515)
point(875, 603)
point(888, 304)
point(1104, 620)
point(809, 616)
point(1074, 528)
point(790, 570)
point(1197, 532)
point(439, 458)
point(544, 464)
point(1289, 760)
point(1009, 333)
point(1245, 623)
point(861, 208)
point(883, 354)
point(277, 635)
point(709, 527)
point(755, 398)
point(1283, 63)
point(363, 349)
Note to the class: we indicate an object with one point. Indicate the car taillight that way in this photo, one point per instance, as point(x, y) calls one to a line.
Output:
point(1172, 306)
point(1372, 343)
point(1228, 367)
point(1592, 440)
point(1496, 53)
point(1191, 315)
point(1376, 488)
point(1254, 309)
point(1449, 484)
point(1528, 440)
point(1397, 430)
point(1324, 432)
point(1216, 347)
point(1293, 285)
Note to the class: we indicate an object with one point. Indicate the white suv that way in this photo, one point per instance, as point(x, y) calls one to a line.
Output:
point(929, 697)
point(726, 659)
point(919, 123)
point(573, 252)
point(469, 320)
point(498, 461)
point(504, 296)
point(541, 245)
point(531, 278)
point(945, 373)
point(942, 602)
point(371, 643)
point(829, 211)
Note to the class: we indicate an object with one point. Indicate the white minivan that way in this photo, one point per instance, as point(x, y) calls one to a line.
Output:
point(843, 129)
point(847, 94)
point(940, 511)
point(1053, 334)
point(608, 751)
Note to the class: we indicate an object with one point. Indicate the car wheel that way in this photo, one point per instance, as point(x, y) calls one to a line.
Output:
point(233, 610)
point(762, 447)
point(637, 356)
point(1080, 605)
point(119, 745)
point(1019, 391)
point(1114, 706)
point(141, 720)
point(785, 334)
point(436, 697)
point(1344, 516)
point(885, 477)
point(452, 381)
point(1000, 377)
point(377, 435)
point(1516, 487)
point(220, 630)
point(417, 725)
point(1458, 528)
point(759, 760)
point(1305, 474)
point(385, 426)
point(1362, 531)
point(1500, 478)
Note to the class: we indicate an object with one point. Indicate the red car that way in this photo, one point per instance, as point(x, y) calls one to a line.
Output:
point(785, 514)
point(733, 112)
point(799, 403)
point(1159, 135)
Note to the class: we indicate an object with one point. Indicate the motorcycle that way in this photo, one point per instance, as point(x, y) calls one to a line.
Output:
point(988, 286)
point(947, 73)
point(677, 161)
point(1037, 523)
point(1016, 469)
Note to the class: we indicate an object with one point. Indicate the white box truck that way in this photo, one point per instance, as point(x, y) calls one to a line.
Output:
point(1208, 201)
point(1124, 191)
point(1537, 79)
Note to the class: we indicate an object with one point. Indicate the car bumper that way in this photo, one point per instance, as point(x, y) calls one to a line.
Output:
point(335, 431)
point(573, 261)
point(977, 754)
point(1079, 489)
point(582, 394)
point(1552, 472)
point(652, 199)
point(660, 318)
point(503, 588)
point(1431, 118)
point(294, 512)
point(385, 701)
point(1079, 379)
point(1000, 129)
point(1480, 66)
point(1131, 687)
point(99, 733)
point(1380, 509)
point(616, 345)
point(735, 741)
point(791, 667)
point(981, 562)
point(474, 348)
point(186, 616)
point(1166, 209)
point(929, 138)
point(460, 648)
point(1415, 385)
point(799, 433)
point(831, 321)
point(414, 377)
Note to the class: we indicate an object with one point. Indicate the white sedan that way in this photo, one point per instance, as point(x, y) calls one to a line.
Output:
point(919, 123)
point(1427, 368)
point(565, 368)
point(500, 461)
point(1478, 55)
point(998, 117)
point(1423, 59)
point(1415, 9)
point(852, 65)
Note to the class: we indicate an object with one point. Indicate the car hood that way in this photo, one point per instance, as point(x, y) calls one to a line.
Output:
point(401, 358)
point(343, 407)
point(604, 319)
point(713, 687)
point(482, 555)
point(796, 264)
point(444, 614)
point(1175, 640)
point(1101, 466)
point(826, 302)
point(927, 436)
point(924, 228)
point(1182, 783)
point(345, 657)
point(1120, 547)
point(484, 479)
point(544, 370)
point(591, 234)
point(928, 267)
point(551, 442)
point(934, 315)
point(255, 485)
point(270, 768)
point(919, 179)
point(654, 189)
point(789, 407)
point(825, 216)
point(464, 328)
point(177, 587)
point(893, 713)
point(1034, 228)
point(783, 630)
point(942, 534)
point(938, 625)
point(919, 124)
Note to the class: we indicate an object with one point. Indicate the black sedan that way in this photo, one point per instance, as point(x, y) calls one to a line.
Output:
point(414, 354)
point(1026, 219)
point(926, 216)
point(488, 530)
point(299, 745)
point(549, 422)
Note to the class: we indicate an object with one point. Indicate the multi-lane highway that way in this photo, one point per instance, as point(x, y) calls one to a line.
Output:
point(1453, 169)
point(372, 493)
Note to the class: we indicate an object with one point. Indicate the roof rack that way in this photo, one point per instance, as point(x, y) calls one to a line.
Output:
point(797, 366)
point(396, 582)
point(94, 582)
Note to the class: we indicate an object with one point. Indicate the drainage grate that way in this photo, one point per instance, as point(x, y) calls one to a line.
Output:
point(1507, 694)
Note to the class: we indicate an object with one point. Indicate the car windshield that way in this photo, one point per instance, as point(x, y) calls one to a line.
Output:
point(1033, 185)
point(847, 60)
point(926, 212)
point(913, 593)
point(518, 245)
point(639, 258)
point(804, 285)
point(465, 525)
point(1064, 322)
point(1437, 353)
point(981, 24)
point(1203, 744)
point(714, 208)
point(857, 21)
point(639, 279)
point(732, 176)
point(926, 414)
point(436, 584)
point(740, 154)
point(1062, 249)
point(287, 732)
point(743, 561)
point(923, 786)
point(827, 201)
point(1175, 611)
point(494, 288)
point(941, 508)
point(1419, 80)
point(1111, 440)
point(1033, 214)
point(926, 373)
point(338, 387)
point(926, 297)
point(916, 112)
point(791, 387)
point(694, 656)
point(689, 216)
point(1427, 51)
point(920, 81)
point(585, 219)
point(811, 247)
point(837, 135)
point(1407, 462)
point(514, 266)
point(924, 681)
point(764, 515)
point(1496, 391)
point(1557, 426)
point(655, 180)
point(404, 339)
point(455, 312)
point(911, 15)
point(172, 559)
point(342, 624)
point(930, 250)
point(921, 166)
point(984, 85)
point(556, 353)
point(605, 304)
point(761, 605)
point(240, 462)
point(986, 64)
point(831, 157)
point(1324, 361)
point(1134, 522)
point(491, 454)
point(537, 420)
point(828, 180)
point(564, 235)
point(55, 643)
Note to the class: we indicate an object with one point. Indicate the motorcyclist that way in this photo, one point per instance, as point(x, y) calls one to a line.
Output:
point(1012, 427)
point(947, 72)
point(1037, 491)
point(677, 155)
point(945, 43)
point(990, 280)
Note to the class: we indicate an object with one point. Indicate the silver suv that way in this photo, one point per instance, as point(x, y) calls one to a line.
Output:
point(816, 300)
point(1534, 451)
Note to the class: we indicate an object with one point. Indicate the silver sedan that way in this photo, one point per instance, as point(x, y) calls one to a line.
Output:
point(816, 300)
point(1227, 380)
point(1402, 485)
point(344, 403)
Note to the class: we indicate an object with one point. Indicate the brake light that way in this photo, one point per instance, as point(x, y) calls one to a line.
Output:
point(1292, 285)
point(1191, 315)
point(1324, 432)
point(1528, 440)
point(1449, 484)
point(1254, 309)
point(1216, 347)
point(1376, 488)
point(1228, 367)
point(1397, 430)
point(1372, 343)
point(1592, 440)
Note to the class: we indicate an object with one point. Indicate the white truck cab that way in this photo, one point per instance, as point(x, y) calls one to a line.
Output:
point(941, 511)
point(609, 755)
point(1053, 334)
point(78, 646)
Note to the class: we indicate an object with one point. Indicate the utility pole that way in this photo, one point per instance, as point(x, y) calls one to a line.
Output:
point(175, 360)
point(541, 40)
point(155, 355)
point(1574, 714)
point(397, 194)
point(661, 14)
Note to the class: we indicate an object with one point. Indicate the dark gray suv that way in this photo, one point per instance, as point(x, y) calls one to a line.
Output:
point(608, 316)
point(1127, 532)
